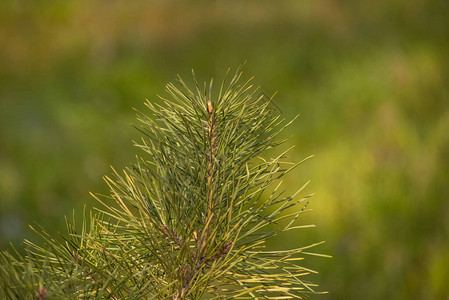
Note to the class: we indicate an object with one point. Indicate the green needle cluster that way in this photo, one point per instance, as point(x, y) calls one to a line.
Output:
point(188, 220)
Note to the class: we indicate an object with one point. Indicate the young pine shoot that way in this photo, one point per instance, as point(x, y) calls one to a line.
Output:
point(190, 219)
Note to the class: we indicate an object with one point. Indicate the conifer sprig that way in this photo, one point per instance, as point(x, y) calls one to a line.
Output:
point(189, 219)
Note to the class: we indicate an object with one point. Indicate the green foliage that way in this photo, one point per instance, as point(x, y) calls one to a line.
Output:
point(369, 78)
point(189, 219)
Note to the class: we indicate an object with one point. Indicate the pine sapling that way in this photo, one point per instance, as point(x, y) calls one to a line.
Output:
point(189, 219)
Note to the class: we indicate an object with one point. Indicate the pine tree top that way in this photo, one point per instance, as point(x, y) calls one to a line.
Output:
point(189, 219)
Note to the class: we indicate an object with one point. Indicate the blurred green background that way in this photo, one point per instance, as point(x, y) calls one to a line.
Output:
point(369, 78)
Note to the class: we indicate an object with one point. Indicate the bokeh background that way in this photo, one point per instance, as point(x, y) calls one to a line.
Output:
point(369, 78)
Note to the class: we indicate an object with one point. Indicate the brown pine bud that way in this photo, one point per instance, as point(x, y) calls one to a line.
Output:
point(209, 107)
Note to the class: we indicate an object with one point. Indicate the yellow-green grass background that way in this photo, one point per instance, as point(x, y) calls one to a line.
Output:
point(370, 80)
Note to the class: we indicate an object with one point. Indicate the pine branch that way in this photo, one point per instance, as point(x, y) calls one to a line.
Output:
point(190, 219)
